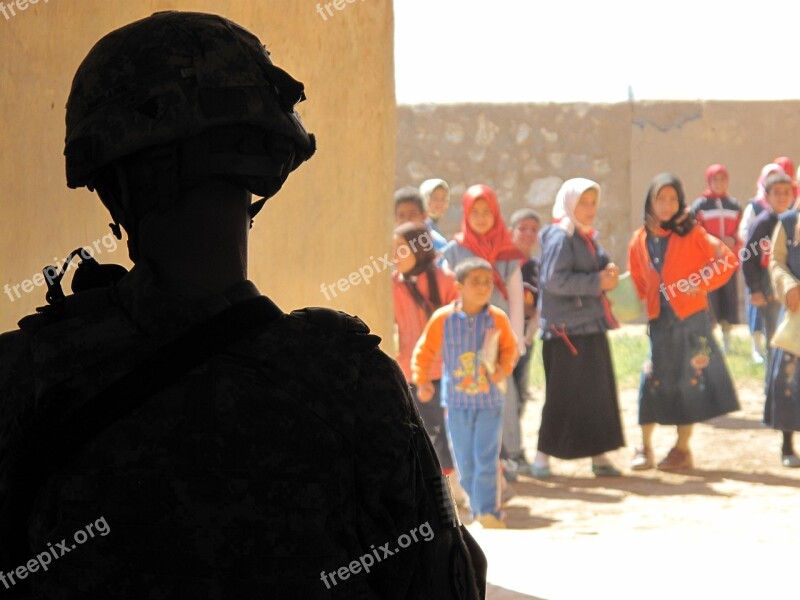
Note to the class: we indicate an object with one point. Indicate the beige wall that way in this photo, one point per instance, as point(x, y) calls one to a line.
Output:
point(323, 225)
point(525, 151)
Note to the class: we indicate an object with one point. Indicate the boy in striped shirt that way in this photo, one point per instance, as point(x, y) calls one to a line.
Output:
point(472, 375)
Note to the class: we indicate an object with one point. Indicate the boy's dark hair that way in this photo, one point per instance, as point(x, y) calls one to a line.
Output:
point(468, 265)
point(776, 178)
point(409, 194)
point(522, 214)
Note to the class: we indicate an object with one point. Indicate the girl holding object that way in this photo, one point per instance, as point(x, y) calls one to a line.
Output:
point(782, 409)
point(580, 417)
point(756, 205)
point(484, 235)
point(674, 263)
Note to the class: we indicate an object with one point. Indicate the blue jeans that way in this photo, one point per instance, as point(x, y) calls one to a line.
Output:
point(475, 433)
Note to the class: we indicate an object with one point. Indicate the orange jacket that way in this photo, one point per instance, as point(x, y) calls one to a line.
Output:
point(695, 260)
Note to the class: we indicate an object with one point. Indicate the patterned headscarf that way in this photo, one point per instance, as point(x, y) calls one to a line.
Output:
point(419, 241)
point(676, 223)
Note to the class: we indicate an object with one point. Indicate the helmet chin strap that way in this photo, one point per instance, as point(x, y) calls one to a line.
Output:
point(122, 212)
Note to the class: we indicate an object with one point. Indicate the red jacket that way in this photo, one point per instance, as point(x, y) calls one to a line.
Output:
point(411, 319)
point(720, 217)
point(695, 260)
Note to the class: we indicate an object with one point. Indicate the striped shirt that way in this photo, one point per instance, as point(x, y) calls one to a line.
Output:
point(460, 337)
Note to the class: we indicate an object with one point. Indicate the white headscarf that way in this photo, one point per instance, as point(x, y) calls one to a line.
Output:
point(427, 187)
point(566, 199)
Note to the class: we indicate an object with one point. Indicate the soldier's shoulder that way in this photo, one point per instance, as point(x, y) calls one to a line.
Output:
point(15, 347)
point(83, 306)
point(335, 323)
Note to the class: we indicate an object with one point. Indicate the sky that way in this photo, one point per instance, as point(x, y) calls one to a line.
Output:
point(450, 51)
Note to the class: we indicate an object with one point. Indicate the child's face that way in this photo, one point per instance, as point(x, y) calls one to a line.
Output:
point(666, 203)
point(719, 184)
point(525, 234)
point(586, 207)
point(437, 203)
point(780, 197)
point(477, 287)
point(480, 217)
point(404, 258)
point(408, 211)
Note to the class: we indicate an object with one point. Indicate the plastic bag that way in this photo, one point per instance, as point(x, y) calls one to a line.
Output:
point(624, 300)
point(787, 334)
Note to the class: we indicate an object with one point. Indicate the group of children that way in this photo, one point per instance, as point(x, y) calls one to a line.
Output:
point(466, 316)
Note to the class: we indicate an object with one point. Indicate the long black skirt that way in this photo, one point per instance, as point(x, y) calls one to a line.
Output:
point(580, 416)
point(687, 380)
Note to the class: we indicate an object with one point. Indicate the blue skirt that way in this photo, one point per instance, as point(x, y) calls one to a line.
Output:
point(687, 380)
point(782, 408)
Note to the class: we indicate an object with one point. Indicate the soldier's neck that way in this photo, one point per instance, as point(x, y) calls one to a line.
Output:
point(199, 248)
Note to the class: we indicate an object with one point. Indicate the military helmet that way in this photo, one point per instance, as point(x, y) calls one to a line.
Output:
point(171, 77)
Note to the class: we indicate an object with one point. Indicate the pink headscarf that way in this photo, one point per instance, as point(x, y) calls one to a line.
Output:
point(761, 191)
point(788, 166)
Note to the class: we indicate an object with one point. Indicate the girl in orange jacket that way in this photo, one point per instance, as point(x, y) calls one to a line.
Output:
point(674, 263)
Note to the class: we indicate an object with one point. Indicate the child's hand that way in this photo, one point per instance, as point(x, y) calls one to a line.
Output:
point(499, 374)
point(425, 392)
point(609, 278)
point(758, 299)
point(693, 290)
point(793, 299)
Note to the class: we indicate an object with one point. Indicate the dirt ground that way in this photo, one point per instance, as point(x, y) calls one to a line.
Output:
point(730, 528)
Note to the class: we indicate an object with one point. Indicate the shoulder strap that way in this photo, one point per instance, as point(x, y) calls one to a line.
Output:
point(53, 438)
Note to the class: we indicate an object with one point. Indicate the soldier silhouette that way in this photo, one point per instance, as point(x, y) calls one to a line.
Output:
point(230, 450)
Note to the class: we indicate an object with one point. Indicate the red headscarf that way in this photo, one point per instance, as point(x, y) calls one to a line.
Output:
point(710, 172)
point(495, 244)
point(787, 164)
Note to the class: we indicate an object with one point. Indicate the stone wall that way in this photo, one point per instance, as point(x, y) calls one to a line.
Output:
point(525, 151)
point(322, 226)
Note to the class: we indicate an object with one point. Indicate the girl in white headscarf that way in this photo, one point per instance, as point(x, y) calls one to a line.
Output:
point(580, 417)
point(436, 194)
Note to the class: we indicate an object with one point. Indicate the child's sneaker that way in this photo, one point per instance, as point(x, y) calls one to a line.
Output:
point(489, 521)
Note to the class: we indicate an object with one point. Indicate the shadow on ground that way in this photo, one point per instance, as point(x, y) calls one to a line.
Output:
point(728, 422)
point(495, 592)
point(593, 489)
